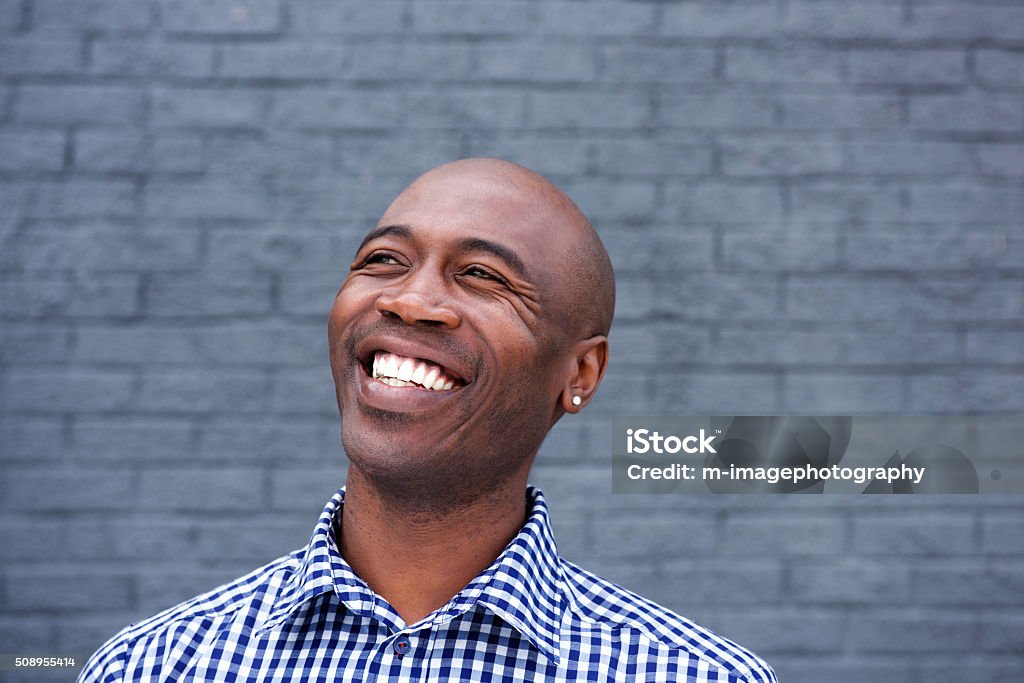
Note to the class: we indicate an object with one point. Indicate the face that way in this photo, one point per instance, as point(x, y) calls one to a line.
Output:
point(448, 339)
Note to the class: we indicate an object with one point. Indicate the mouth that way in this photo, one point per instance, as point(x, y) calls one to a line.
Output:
point(395, 370)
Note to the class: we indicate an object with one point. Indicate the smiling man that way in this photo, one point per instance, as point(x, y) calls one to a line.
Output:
point(473, 318)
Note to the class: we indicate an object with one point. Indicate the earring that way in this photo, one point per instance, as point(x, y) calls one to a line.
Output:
point(576, 400)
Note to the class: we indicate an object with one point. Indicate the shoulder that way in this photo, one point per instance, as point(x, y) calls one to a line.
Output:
point(607, 606)
point(198, 618)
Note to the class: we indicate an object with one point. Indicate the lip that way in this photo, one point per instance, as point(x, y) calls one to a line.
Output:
point(403, 399)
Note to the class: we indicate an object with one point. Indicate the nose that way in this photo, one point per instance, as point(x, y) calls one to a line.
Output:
point(420, 298)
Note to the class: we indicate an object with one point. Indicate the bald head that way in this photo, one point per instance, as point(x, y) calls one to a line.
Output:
point(586, 271)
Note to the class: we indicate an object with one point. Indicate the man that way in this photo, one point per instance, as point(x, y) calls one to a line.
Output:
point(474, 316)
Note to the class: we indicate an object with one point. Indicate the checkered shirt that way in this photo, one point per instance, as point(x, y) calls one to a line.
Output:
point(529, 616)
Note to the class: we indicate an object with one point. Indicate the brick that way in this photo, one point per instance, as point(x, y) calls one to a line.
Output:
point(40, 58)
point(202, 391)
point(32, 344)
point(715, 110)
point(946, 669)
point(859, 348)
point(310, 292)
point(205, 490)
point(908, 633)
point(827, 202)
point(63, 390)
point(671, 343)
point(260, 543)
point(240, 439)
point(547, 156)
point(78, 104)
point(975, 393)
point(644, 250)
point(263, 344)
point(306, 490)
point(108, 295)
point(947, 204)
point(28, 540)
point(31, 439)
point(1002, 633)
point(667, 64)
point(206, 199)
point(931, 535)
point(197, 295)
point(841, 394)
point(413, 61)
point(46, 296)
point(784, 631)
point(589, 110)
point(68, 491)
point(982, 112)
point(31, 151)
point(634, 301)
point(248, 249)
point(244, 17)
point(621, 387)
point(640, 536)
point(131, 439)
point(151, 59)
point(141, 344)
point(476, 110)
point(906, 158)
point(470, 18)
point(721, 393)
point(1007, 160)
point(135, 153)
point(780, 252)
point(349, 17)
point(284, 61)
point(846, 21)
point(811, 669)
point(22, 633)
point(333, 198)
point(86, 633)
point(11, 15)
point(912, 67)
point(248, 154)
point(82, 199)
point(307, 392)
point(933, 249)
point(971, 583)
point(163, 589)
point(85, 249)
point(208, 108)
point(782, 536)
point(698, 296)
point(1000, 67)
point(731, 582)
point(780, 159)
point(390, 155)
point(887, 298)
point(656, 157)
point(624, 200)
point(37, 590)
point(995, 347)
point(327, 109)
point(852, 581)
point(837, 112)
point(89, 15)
point(789, 65)
point(92, 540)
point(718, 20)
point(571, 63)
point(724, 203)
point(966, 22)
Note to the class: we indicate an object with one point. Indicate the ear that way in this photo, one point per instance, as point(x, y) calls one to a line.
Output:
point(589, 358)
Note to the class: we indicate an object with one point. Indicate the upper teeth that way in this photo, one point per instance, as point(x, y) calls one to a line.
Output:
point(400, 371)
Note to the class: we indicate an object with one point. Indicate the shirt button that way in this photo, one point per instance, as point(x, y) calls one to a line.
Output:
point(402, 646)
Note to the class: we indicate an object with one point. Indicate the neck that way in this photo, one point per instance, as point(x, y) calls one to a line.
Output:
point(418, 553)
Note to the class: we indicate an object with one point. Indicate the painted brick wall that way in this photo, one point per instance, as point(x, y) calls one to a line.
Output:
point(814, 206)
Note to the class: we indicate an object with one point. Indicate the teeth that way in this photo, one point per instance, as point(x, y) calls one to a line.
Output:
point(405, 370)
point(399, 371)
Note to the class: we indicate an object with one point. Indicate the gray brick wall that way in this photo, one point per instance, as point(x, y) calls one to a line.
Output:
point(813, 206)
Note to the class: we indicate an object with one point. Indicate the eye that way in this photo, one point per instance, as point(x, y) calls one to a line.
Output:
point(382, 258)
point(483, 274)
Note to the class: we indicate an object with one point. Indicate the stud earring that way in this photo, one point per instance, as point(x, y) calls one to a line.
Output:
point(576, 400)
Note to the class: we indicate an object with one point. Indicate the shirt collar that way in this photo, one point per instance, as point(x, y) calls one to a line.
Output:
point(523, 586)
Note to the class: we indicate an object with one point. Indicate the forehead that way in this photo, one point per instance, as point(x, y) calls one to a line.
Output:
point(458, 206)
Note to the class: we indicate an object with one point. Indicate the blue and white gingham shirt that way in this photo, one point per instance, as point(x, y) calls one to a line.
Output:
point(529, 616)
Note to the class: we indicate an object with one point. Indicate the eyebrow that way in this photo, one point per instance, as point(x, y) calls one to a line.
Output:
point(495, 249)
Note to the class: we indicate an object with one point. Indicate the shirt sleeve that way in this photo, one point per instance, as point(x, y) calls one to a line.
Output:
point(107, 664)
